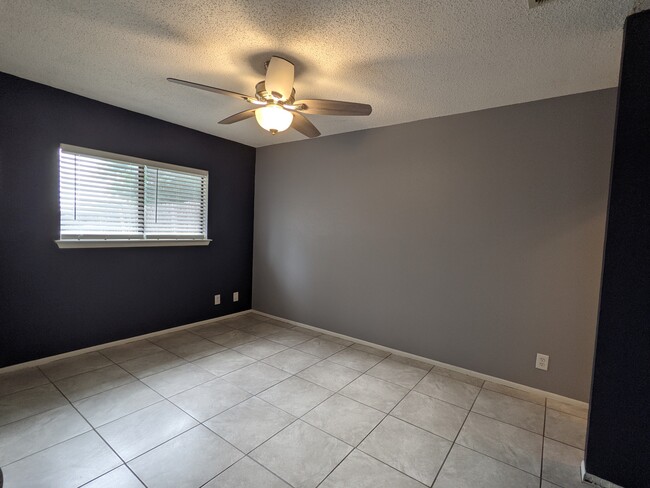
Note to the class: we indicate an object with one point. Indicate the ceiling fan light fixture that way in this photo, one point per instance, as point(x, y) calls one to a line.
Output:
point(273, 118)
point(276, 108)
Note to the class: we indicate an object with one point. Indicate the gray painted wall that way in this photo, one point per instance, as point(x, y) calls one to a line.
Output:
point(474, 239)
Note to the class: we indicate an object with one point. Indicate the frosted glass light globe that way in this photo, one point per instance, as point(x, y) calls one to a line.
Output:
point(273, 118)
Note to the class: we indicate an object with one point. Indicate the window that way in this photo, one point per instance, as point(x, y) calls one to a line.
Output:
point(108, 200)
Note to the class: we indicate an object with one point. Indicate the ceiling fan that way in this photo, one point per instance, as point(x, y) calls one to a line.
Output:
point(276, 108)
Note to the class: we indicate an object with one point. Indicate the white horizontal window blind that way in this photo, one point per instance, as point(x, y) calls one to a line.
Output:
point(106, 196)
point(174, 204)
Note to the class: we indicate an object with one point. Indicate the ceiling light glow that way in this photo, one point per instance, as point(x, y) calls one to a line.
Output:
point(273, 118)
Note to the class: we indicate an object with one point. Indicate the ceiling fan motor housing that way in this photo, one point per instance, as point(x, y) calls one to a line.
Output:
point(279, 78)
point(262, 94)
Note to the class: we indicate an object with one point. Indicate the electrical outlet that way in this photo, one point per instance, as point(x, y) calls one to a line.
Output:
point(542, 362)
point(235, 296)
point(217, 299)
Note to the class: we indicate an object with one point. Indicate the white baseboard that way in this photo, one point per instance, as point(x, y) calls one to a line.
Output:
point(482, 376)
point(38, 362)
point(494, 379)
point(595, 480)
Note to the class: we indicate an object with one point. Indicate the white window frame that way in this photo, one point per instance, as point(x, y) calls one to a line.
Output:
point(109, 241)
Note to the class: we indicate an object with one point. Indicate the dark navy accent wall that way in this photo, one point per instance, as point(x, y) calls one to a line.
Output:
point(56, 300)
point(618, 441)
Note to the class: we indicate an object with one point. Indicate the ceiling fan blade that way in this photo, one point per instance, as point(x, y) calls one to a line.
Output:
point(279, 78)
point(332, 107)
point(304, 126)
point(213, 89)
point(238, 117)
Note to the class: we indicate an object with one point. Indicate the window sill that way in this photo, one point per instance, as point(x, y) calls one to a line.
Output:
point(103, 243)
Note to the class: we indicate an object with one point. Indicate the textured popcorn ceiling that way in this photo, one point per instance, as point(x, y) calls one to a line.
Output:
point(409, 59)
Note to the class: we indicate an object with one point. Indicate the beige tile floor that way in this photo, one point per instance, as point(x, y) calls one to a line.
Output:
point(253, 402)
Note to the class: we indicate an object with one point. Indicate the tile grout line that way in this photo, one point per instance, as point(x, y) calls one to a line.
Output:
point(508, 423)
point(148, 355)
point(457, 434)
point(354, 448)
point(316, 406)
point(94, 370)
point(485, 416)
point(386, 415)
point(202, 422)
point(267, 469)
point(364, 438)
point(46, 448)
point(541, 466)
point(275, 384)
point(197, 359)
point(434, 363)
point(512, 396)
point(100, 392)
point(458, 406)
point(199, 424)
point(497, 460)
point(264, 389)
point(176, 436)
point(107, 472)
point(92, 427)
point(65, 397)
point(508, 464)
point(34, 414)
point(517, 426)
point(504, 462)
point(455, 439)
point(135, 357)
point(253, 396)
point(107, 444)
point(332, 393)
point(245, 456)
point(296, 419)
point(432, 369)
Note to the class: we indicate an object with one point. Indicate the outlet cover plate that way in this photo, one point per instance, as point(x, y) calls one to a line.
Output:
point(542, 362)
